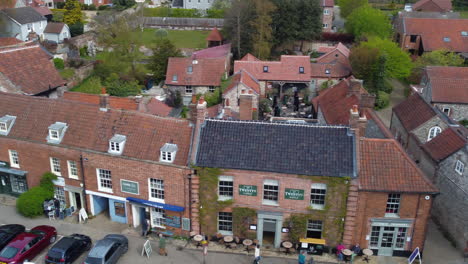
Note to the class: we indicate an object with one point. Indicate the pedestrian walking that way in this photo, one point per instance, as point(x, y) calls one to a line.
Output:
point(162, 245)
point(311, 261)
point(257, 255)
point(302, 258)
point(146, 228)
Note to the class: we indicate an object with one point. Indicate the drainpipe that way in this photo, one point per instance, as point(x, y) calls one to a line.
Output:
point(85, 200)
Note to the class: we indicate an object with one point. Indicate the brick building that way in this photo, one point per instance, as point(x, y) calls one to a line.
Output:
point(433, 6)
point(126, 164)
point(327, 16)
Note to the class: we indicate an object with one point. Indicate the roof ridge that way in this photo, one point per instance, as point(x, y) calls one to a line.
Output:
point(19, 48)
point(275, 123)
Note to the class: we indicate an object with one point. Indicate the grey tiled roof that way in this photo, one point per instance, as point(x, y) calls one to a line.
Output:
point(277, 147)
point(373, 130)
point(24, 15)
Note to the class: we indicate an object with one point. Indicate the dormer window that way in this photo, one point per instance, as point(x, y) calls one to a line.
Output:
point(464, 33)
point(433, 132)
point(301, 69)
point(174, 78)
point(168, 152)
point(189, 69)
point(327, 71)
point(56, 132)
point(446, 39)
point(265, 68)
point(6, 123)
point(117, 144)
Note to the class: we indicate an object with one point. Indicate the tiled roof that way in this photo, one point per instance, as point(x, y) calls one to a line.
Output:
point(335, 70)
point(207, 72)
point(413, 112)
point(433, 5)
point(7, 4)
point(277, 147)
point(328, 3)
point(90, 128)
point(287, 69)
point(54, 28)
point(333, 54)
point(449, 84)
point(440, 29)
point(24, 15)
point(43, 10)
point(384, 166)
point(156, 107)
point(215, 35)
point(40, 74)
point(249, 57)
point(9, 41)
point(375, 126)
point(245, 78)
point(221, 51)
point(125, 103)
point(444, 144)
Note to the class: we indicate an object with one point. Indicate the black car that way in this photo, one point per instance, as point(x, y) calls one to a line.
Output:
point(8, 232)
point(68, 249)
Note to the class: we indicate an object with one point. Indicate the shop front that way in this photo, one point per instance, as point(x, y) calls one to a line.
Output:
point(12, 181)
point(111, 205)
point(389, 237)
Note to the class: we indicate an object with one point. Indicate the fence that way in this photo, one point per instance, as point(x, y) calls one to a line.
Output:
point(183, 23)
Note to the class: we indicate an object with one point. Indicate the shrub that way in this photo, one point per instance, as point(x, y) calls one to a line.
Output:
point(103, 7)
point(58, 62)
point(76, 29)
point(29, 204)
point(60, 5)
point(84, 51)
point(215, 13)
point(67, 73)
point(382, 100)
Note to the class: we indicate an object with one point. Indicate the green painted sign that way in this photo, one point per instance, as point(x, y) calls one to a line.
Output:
point(249, 190)
point(129, 187)
point(293, 194)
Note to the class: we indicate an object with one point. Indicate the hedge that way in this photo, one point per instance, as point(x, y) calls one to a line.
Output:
point(30, 203)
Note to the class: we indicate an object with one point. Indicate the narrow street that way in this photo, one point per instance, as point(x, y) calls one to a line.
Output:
point(397, 96)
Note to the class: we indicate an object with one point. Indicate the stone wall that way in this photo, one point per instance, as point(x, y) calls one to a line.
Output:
point(233, 96)
point(397, 129)
point(458, 112)
point(422, 131)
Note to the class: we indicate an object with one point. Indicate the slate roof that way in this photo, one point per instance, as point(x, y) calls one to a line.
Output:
point(221, 51)
point(433, 5)
point(54, 28)
point(43, 10)
point(446, 143)
point(385, 166)
point(449, 84)
point(375, 126)
point(40, 74)
point(206, 71)
point(214, 35)
point(90, 128)
point(277, 147)
point(413, 112)
point(24, 15)
point(433, 36)
point(115, 102)
point(287, 69)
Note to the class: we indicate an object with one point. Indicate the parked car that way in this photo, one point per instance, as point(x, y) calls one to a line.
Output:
point(8, 232)
point(68, 249)
point(27, 245)
point(108, 250)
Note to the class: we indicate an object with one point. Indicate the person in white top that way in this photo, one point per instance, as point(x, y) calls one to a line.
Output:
point(257, 255)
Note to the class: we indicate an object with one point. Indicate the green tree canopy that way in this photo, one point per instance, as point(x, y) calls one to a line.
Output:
point(73, 13)
point(348, 6)
point(238, 26)
point(163, 49)
point(262, 36)
point(368, 21)
point(440, 58)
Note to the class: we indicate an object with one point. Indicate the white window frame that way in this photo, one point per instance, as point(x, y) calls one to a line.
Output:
point(319, 191)
point(100, 186)
point(72, 172)
point(189, 89)
point(14, 158)
point(190, 69)
point(393, 203)
point(158, 217)
point(174, 78)
point(221, 184)
point(448, 110)
point(115, 147)
point(301, 69)
point(55, 166)
point(226, 222)
point(266, 68)
point(3, 127)
point(211, 89)
point(327, 71)
point(167, 156)
point(312, 226)
point(54, 134)
point(59, 194)
point(326, 11)
point(324, 25)
point(433, 132)
point(459, 167)
point(158, 187)
point(272, 183)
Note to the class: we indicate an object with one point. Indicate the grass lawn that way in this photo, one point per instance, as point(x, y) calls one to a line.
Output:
point(90, 85)
point(195, 39)
point(463, 14)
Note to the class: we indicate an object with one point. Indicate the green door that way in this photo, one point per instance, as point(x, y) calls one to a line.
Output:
point(5, 185)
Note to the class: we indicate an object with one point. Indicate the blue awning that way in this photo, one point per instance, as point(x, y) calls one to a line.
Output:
point(168, 207)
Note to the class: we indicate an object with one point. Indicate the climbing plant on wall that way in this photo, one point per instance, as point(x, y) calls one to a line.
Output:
point(241, 218)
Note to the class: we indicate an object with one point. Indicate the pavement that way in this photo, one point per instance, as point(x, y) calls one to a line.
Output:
point(438, 249)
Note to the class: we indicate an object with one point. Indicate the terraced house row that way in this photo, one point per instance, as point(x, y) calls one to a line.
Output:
point(272, 181)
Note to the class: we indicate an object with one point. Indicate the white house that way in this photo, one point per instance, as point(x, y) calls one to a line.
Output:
point(190, 4)
point(56, 32)
point(21, 23)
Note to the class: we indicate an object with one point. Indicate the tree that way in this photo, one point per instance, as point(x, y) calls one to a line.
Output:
point(221, 4)
point(398, 62)
point(263, 32)
point(368, 21)
point(238, 26)
point(76, 29)
point(117, 86)
point(163, 50)
point(123, 4)
point(348, 6)
point(363, 61)
point(435, 58)
point(73, 13)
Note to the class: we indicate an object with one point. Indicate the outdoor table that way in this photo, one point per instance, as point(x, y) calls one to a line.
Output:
point(228, 240)
point(193, 233)
point(198, 238)
point(347, 254)
point(247, 243)
point(367, 253)
point(287, 245)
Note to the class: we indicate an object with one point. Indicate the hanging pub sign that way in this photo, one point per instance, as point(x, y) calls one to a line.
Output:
point(249, 190)
point(293, 194)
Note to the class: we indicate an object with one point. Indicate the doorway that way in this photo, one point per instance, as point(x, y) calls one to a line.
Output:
point(75, 200)
point(388, 239)
point(269, 231)
point(269, 228)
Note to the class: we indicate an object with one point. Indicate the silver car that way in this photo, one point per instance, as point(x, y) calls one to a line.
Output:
point(108, 250)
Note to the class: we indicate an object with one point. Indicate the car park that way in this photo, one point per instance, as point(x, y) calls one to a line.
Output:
point(8, 232)
point(68, 249)
point(28, 245)
point(108, 250)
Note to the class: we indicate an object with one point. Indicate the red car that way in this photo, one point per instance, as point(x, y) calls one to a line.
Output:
point(27, 245)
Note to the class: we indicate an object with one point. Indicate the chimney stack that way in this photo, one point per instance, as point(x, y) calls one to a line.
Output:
point(245, 107)
point(103, 100)
point(198, 116)
point(355, 86)
point(227, 108)
point(358, 122)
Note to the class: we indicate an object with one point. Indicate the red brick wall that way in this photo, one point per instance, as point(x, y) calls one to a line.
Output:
point(413, 207)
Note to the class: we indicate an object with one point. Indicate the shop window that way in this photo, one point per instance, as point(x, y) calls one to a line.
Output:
point(18, 184)
point(318, 192)
point(225, 188)
point(225, 223)
point(59, 194)
point(157, 217)
point(393, 204)
point(270, 192)
point(314, 229)
point(374, 237)
point(119, 209)
point(14, 159)
point(401, 237)
point(104, 180)
point(72, 169)
point(156, 189)
point(55, 166)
